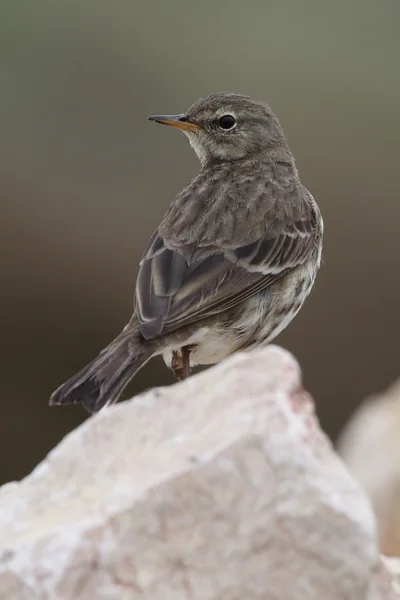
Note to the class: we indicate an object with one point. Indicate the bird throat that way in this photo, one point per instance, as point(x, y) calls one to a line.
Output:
point(197, 145)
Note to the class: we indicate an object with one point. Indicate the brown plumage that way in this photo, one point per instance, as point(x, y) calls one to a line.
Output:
point(230, 264)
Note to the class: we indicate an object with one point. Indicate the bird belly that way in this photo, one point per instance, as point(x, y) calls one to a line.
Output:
point(210, 345)
point(257, 321)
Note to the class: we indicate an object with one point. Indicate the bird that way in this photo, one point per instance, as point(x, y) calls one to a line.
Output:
point(231, 262)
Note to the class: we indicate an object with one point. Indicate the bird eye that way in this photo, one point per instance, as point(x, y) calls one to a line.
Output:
point(227, 122)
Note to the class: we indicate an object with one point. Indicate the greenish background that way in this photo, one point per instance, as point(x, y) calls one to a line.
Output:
point(84, 179)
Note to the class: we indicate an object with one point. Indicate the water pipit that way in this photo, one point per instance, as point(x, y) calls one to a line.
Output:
point(232, 261)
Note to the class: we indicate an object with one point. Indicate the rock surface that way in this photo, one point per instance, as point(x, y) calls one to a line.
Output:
point(219, 488)
point(370, 445)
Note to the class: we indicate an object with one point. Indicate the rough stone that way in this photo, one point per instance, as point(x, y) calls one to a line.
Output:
point(370, 445)
point(222, 487)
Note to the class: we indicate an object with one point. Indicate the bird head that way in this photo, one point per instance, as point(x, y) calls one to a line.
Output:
point(225, 127)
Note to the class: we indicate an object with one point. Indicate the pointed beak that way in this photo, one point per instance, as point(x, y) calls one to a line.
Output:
point(179, 121)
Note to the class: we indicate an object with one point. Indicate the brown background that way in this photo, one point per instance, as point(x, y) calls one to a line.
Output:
point(84, 179)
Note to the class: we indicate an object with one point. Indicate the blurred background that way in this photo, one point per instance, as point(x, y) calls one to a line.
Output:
point(84, 180)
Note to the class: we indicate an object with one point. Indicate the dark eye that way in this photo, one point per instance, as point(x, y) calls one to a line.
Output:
point(227, 122)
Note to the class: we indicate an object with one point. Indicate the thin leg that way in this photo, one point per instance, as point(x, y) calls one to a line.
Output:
point(180, 364)
point(177, 365)
point(185, 351)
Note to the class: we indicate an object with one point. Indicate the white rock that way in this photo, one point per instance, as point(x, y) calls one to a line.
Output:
point(219, 488)
point(370, 445)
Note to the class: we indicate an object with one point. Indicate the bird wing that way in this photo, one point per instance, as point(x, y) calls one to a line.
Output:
point(189, 273)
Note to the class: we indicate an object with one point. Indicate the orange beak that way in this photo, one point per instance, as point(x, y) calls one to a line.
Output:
point(179, 121)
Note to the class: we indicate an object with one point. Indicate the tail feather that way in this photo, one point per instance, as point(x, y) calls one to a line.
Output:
point(102, 381)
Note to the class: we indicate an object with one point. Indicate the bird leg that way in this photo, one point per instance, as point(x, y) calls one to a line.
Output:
point(180, 364)
point(186, 360)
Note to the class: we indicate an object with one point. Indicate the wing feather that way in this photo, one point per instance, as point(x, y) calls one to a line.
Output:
point(184, 278)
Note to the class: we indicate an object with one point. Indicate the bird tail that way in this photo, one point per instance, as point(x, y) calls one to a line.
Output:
point(102, 381)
